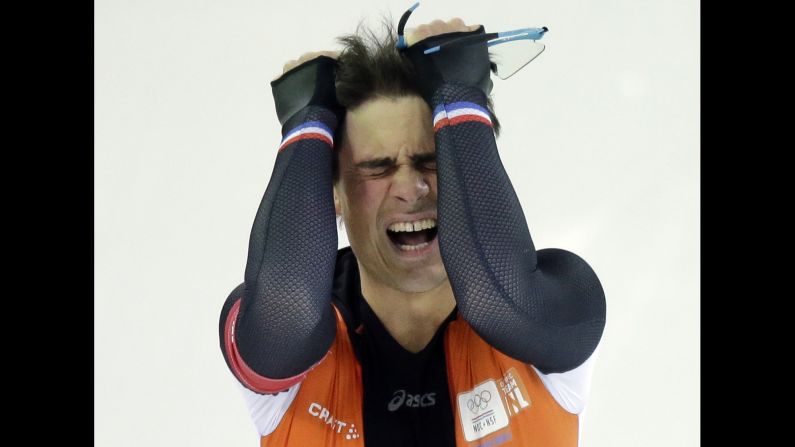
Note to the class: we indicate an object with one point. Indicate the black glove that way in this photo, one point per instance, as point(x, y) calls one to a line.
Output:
point(468, 65)
point(311, 83)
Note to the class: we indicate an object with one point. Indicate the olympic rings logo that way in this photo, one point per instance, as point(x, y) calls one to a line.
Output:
point(479, 401)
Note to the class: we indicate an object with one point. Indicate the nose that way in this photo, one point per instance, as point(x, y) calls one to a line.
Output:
point(409, 185)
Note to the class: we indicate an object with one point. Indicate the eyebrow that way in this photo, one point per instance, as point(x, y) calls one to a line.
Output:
point(386, 162)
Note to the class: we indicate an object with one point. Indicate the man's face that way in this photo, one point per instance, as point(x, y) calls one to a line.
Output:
point(387, 167)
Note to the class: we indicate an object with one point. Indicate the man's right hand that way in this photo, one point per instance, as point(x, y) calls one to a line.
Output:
point(308, 80)
point(292, 63)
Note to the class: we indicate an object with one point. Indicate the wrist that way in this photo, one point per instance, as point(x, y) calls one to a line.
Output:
point(309, 84)
point(468, 65)
point(311, 122)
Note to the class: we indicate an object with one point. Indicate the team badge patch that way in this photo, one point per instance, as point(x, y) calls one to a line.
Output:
point(481, 411)
point(490, 405)
point(514, 392)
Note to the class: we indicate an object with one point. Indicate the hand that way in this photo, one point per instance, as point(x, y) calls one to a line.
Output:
point(306, 81)
point(292, 63)
point(416, 34)
point(468, 65)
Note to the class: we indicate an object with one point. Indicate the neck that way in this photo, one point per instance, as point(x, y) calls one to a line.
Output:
point(411, 318)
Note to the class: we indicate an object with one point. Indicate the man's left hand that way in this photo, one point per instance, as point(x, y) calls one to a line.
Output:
point(414, 35)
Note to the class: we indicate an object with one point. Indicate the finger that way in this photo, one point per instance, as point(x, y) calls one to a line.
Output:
point(457, 23)
point(308, 56)
point(422, 32)
point(315, 54)
point(414, 35)
point(292, 63)
point(438, 27)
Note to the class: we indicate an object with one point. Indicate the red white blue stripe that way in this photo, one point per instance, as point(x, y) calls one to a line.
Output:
point(459, 112)
point(309, 130)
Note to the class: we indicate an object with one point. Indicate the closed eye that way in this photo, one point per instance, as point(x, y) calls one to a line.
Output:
point(429, 166)
point(425, 161)
point(378, 172)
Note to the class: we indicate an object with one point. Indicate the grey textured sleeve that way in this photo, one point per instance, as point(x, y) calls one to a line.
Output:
point(544, 307)
point(280, 321)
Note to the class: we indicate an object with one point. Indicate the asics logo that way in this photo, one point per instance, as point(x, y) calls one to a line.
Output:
point(411, 400)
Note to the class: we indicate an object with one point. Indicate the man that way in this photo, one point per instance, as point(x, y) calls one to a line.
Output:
point(441, 324)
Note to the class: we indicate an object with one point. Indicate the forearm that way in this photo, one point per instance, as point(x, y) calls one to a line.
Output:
point(501, 284)
point(285, 322)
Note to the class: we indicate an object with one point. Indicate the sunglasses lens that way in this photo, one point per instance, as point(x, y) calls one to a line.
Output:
point(511, 56)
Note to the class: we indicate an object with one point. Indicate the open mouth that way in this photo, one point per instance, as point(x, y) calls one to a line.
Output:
point(412, 236)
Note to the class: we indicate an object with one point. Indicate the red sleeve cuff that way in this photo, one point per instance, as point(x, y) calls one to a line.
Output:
point(247, 376)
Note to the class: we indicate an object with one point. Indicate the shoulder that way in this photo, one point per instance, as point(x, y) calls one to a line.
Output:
point(267, 410)
point(571, 389)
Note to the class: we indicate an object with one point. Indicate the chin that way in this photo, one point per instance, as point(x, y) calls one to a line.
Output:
point(423, 282)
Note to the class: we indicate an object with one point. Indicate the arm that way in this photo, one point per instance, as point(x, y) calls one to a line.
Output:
point(543, 307)
point(280, 322)
point(572, 388)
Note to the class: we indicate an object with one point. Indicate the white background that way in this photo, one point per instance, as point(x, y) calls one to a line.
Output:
point(600, 138)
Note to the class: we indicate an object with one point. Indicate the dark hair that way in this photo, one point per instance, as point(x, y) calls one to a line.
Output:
point(370, 66)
